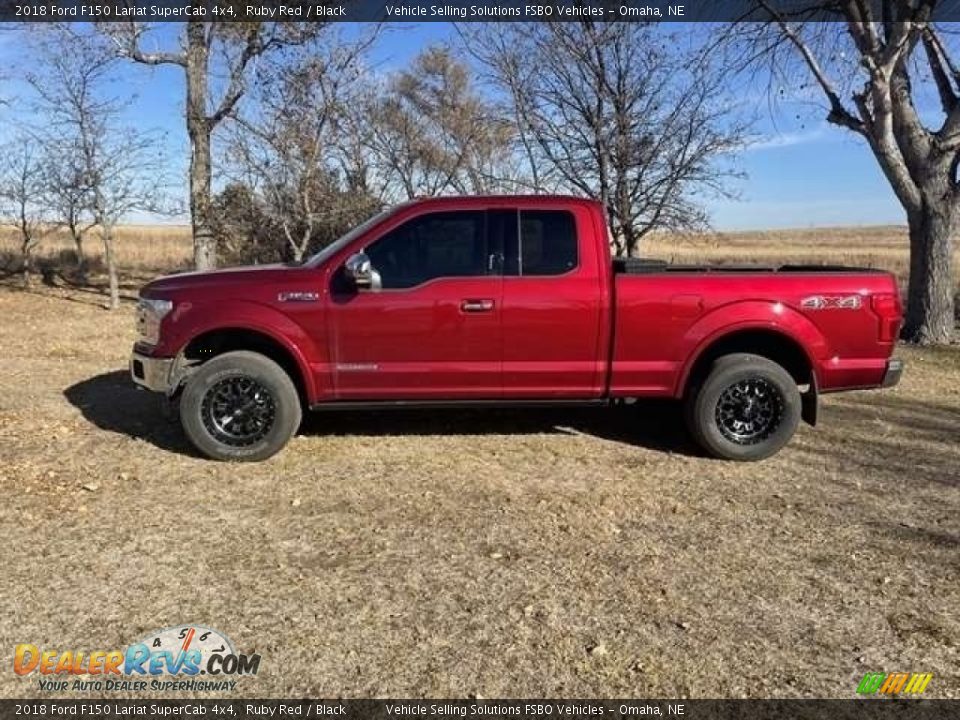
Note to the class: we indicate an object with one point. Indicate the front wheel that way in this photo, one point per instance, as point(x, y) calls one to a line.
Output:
point(747, 408)
point(240, 406)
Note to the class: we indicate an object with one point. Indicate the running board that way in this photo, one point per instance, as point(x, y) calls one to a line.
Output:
point(439, 404)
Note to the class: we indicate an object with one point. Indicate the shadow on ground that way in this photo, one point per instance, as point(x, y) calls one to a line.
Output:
point(653, 425)
point(112, 402)
point(900, 438)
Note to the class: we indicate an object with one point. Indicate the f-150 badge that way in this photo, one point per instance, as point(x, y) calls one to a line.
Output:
point(297, 296)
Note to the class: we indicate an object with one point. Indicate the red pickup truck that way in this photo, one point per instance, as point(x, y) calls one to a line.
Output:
point(508, 301)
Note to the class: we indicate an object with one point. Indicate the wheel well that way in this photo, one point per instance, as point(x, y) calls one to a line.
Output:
point(217, 342)
point(770, 344)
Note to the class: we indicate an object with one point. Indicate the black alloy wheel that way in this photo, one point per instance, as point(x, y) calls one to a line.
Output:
point(749, 411)
point(238, 411)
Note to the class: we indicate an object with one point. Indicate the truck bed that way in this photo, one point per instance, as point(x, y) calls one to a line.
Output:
point(665, 313)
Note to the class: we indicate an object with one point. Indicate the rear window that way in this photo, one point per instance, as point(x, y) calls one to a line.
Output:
point(548, 242)
point(537, 242)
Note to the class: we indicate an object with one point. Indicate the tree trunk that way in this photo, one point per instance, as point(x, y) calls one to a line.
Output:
point(631, 239)
point(81, 258)
point(930, 315)
point(204, 250)
point(108, 255)
point(300, 249)
point(198, 128)
point(26, 252)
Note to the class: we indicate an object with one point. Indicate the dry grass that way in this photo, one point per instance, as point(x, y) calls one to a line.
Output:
point(884, 247)
point(146, 250)
point(140, 248)
point(448, 554)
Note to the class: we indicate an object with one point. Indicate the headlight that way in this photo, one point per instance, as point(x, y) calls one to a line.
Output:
point(149, 314)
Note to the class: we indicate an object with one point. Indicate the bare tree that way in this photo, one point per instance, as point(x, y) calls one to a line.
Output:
point(67, 199)
point(206, 51)
point(510, 74)
point(618, 111)
point(23, 182)
point(126, 175)
point(433, 132)
point(68, 75)
point(873, 71)
point(105, 169)
point(288, 146)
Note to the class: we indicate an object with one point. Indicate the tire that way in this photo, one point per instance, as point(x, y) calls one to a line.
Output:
point(747, 408)
point(240, 406)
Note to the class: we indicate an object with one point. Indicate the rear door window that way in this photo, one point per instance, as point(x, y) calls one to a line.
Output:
point(548, 242)
point(537, 242)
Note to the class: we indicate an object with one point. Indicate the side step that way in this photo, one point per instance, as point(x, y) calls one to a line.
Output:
point(439, 404)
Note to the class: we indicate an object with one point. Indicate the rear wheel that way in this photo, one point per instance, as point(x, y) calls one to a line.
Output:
point(240, 406)
point(747, 408)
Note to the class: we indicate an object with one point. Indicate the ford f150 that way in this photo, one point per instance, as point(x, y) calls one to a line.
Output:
point(508, 300)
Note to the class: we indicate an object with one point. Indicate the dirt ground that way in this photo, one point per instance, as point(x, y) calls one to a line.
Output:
point(518, 554)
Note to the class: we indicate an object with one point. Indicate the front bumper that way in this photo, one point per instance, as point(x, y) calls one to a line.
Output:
point(152, 373)
point(894, 370)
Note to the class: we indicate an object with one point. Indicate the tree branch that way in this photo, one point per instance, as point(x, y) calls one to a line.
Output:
point(885, 149)
point(838, 115)
point(254, 46)
point(948, 98)
point(127, 41)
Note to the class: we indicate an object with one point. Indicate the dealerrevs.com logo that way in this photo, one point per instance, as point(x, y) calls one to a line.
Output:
point(174, 658)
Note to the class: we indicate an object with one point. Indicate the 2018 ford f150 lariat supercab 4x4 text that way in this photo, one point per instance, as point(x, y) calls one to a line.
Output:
point(508, 300)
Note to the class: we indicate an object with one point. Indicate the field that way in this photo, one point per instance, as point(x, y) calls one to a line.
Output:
point(144, 251)
point(519, 554)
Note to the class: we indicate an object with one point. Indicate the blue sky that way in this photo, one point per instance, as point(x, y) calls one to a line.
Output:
point(800, 173)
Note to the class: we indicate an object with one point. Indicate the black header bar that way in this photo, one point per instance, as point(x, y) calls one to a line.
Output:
point(428, 11)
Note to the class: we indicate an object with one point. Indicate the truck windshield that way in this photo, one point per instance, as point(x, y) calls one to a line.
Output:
point(345, 240)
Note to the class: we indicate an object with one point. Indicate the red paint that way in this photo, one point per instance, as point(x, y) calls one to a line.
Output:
point(588, 333)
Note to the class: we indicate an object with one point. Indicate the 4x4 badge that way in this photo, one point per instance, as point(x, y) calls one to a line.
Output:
point(832, 302)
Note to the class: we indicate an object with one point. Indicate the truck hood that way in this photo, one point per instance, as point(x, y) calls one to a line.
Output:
point(244, 274)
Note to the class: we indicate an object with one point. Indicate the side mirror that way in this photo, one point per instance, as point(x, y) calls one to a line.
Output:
point(361, 272)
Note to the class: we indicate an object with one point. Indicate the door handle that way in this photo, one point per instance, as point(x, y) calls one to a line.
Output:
point(474, 306)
